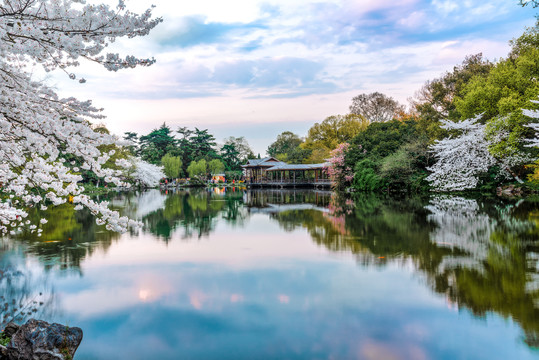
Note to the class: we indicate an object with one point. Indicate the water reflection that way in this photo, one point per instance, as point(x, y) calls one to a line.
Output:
point(495, 264)
point(67, 239)
point(477, 255)
point(25, 291)
point(195, 212)
point(482, 254)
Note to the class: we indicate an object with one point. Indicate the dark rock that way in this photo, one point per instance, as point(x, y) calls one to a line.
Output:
point(39, 340)
point(11, 329)
point(3, 352)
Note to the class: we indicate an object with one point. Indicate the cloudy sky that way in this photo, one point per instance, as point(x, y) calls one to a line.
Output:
point(256, 68)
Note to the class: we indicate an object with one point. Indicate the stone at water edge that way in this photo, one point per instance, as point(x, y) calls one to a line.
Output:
point(39, 340)
point(11, 328)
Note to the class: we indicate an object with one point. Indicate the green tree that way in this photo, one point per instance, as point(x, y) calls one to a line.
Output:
point(500, 96)
point(203, 145)
point(298, 155)
point(366, 177)
point(172, 166)
point(286, 142)
point(156, 144)
point(375, 107)
point(230, 156)
point(405, 169)
point(242, 146)
point(436, 97)
point(392, 155)
point(215, 166)
point(185, 147)
point(381, 139)
point(334, 130)
point(132, 137)
point(197, 169)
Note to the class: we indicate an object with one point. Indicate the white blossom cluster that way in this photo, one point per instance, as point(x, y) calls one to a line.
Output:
point(146, 174)
point(56, 33)
point(534, 114)
point(39, 130)
point(461, 158)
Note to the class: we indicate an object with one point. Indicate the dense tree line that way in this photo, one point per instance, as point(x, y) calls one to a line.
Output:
point(190, 152)
point(471, 128)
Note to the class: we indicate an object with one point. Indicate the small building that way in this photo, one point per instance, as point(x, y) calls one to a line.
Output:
point(216, 178)
point(255, 169)
point(298, 173)
point(269, 172)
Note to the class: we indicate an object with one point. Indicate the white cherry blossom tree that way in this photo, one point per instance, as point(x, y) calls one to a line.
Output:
point(460, 158)
point(534, 114)
point(39, 130)
point(146, 174)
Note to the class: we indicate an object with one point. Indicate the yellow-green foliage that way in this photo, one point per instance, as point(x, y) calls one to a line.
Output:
point(215, 166)
point(197, 168)
point(172, 165)
point(534, 176)
point(501, 95)
point(334, 130)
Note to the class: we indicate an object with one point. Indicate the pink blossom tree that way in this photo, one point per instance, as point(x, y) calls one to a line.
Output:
point(339, 173)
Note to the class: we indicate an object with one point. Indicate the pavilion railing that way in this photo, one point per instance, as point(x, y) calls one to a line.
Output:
point(288, 181)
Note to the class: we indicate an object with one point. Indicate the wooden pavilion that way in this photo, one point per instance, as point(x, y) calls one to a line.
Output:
point(255, 169)
point(270, 172)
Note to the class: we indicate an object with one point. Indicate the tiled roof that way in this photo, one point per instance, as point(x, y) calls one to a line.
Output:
point(261, 162)
point(284, 166)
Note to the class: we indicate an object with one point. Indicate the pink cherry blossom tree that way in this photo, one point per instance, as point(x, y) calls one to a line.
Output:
point(339, 173)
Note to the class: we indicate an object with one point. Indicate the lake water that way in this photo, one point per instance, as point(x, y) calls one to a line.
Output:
point(286, 275)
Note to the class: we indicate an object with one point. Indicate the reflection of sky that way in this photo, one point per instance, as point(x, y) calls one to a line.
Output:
point(258, 292)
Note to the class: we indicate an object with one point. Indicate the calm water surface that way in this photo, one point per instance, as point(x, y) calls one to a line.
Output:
point(286, 275)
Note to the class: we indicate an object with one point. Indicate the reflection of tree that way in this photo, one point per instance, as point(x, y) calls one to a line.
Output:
point(234, 212)
point(196, 212)
point(68, 237)
point(393, 229)
point(482, 255)
point(322, 228)
point(374, 228)
point(23, 294)
point(497, 269)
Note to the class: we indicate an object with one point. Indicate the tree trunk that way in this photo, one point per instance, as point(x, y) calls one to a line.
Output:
point(514, 175)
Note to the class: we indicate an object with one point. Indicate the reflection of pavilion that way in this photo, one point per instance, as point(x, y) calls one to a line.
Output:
point(270, 172)
point(273, 201)
point(274, 208)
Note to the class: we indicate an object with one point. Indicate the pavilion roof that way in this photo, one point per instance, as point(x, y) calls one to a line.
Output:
point(284, 167)
point(267, 161)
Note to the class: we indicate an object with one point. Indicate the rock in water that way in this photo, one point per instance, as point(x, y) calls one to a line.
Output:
point(39, 340)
